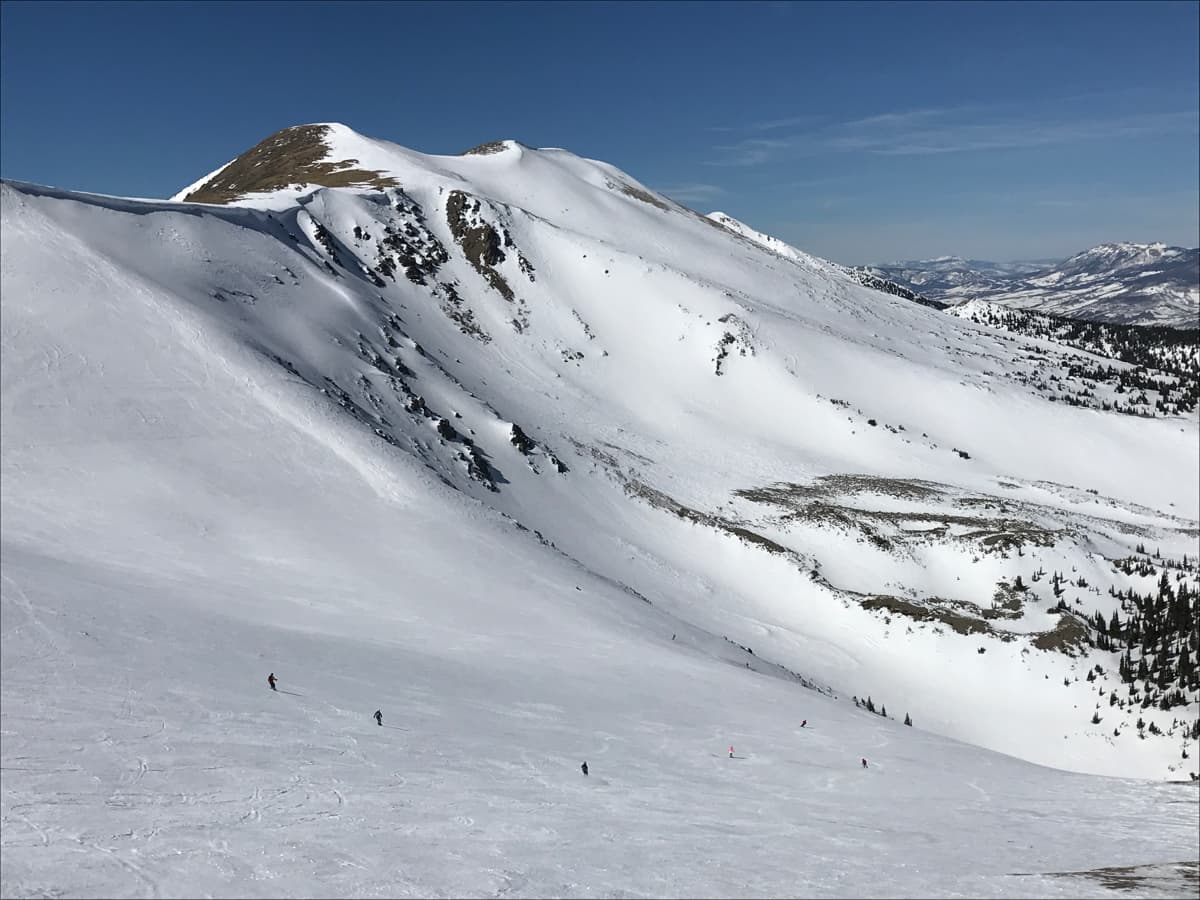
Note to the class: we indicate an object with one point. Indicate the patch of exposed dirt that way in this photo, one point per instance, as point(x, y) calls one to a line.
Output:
point(1007, 602)
point(657, 498)
point(788, 493)
point(1069, 636)
point(816, 503)
point(486, 149)
point(638, 194)
point(482, 244)
point(933, 609)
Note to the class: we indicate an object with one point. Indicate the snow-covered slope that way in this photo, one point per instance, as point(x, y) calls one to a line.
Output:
point(1127, 283)
point(774, 244)
point(532, 459)
point(1162, 378)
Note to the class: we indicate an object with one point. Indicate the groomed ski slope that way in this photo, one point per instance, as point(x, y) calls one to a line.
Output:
point(145, 756)
point(180, 517)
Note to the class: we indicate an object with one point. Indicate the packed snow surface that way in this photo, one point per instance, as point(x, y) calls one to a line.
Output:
point(234, 445)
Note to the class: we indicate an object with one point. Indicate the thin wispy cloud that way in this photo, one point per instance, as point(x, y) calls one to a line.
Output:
point(925, 132)
point(963, 138)
point(809, 183)
point(742, 155)
point(691, 193)
point(789, 122)
point(903, 118)
point(752, 151)
point(769, 124)
point(808, 121)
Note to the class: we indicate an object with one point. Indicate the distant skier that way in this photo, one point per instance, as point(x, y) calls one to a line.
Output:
point(271, 681)
point(805, 722)
point(731, 751)
point(864, 762)
point(379, 718)
point(584, 767)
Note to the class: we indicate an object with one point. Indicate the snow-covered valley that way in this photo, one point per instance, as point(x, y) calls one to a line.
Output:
point(550, 469)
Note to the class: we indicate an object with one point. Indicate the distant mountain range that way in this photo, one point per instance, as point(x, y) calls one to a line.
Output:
point(1164, 380)
point(1123, 283)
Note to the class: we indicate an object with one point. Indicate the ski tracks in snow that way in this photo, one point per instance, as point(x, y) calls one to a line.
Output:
point(49, 638)
point(149, 884)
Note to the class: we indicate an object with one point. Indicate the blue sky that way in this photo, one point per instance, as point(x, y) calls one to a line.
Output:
point(860, 132)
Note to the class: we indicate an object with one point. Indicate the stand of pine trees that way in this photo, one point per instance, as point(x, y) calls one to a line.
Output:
point(1158, 636)
point(1164, 379)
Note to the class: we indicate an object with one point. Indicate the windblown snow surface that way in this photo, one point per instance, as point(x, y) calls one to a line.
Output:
point(494, 498)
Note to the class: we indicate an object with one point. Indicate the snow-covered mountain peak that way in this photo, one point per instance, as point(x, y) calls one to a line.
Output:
point(1122, 255)
point(551, 184)
point(322, 154)
point(313, 154)
point(676, 402)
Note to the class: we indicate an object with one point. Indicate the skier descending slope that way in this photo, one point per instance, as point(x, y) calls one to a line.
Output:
point(584, 767)
point(731, 751)
point(271, 679)
point(379, 718)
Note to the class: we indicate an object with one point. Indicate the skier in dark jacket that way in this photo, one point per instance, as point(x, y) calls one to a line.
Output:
point(864, 762)
point(379, 718)
point(271, 681)
point(584, 768)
